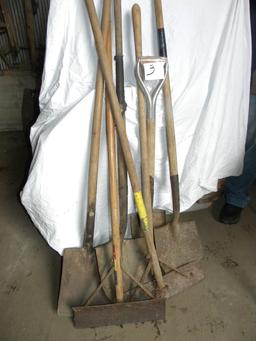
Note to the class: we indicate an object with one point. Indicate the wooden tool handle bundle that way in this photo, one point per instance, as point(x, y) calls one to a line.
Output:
point(115, 107)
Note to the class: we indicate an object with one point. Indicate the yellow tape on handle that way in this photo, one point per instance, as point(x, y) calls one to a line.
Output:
point(141, 209)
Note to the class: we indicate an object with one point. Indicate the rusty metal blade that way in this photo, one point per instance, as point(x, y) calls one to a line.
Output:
point(177, 282)
point(79, 279)
point(192, 274)
point(176, 249)
point(134, 260)
point(119, 313)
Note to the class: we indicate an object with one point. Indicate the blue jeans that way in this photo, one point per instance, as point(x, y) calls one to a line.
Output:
point(237, 187)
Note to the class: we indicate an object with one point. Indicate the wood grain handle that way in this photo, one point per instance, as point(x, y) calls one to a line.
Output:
point(169, 121)
point(142, 116)
point(120, 91)
point(95, 136)
point(113, 191)
point(159, 14)
point(136, 17)
point(112, 95)
point(118, 27)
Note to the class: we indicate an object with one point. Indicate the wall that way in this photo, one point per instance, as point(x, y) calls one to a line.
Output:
point(11, 95)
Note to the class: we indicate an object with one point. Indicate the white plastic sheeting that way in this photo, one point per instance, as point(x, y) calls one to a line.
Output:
point(209, 54)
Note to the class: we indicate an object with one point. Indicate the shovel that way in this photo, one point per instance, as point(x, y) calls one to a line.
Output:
point(80, 275)
point(118, 313)
point(184, 277)
point(134, 251)
point(125, 145)
point(176, 243)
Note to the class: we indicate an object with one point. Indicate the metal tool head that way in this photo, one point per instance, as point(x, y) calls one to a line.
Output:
point(187, 276)
point(178, 245)
point(78, 280)
point(134, 259)
point(119, 313)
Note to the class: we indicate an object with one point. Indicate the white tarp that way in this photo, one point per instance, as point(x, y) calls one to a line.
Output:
point(209, 53)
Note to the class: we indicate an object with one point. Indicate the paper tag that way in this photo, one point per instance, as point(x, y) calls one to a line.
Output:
point(154, 70)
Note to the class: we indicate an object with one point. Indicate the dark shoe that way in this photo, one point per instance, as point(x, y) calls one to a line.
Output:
point(230, 214)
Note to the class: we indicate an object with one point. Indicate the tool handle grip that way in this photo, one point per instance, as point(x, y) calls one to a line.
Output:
point(119, 55)
point(160, 28)
point(136, 19)
point(159, 14)
point(118, 27)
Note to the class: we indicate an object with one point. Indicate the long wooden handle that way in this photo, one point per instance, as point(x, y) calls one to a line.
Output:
point(119, 63)
point(112, 95)
point(151, 153)
point(136, 16)
point(95, 137)
point(170, 131)
point(113, 191)
point(144, 151)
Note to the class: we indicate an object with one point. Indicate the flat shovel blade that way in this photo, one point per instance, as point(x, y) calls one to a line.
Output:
point(180, 248)
point(79, 279)
point(134, 261)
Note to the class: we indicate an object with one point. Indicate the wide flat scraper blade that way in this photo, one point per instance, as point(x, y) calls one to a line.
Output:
point(119, 313)
point(79, 279)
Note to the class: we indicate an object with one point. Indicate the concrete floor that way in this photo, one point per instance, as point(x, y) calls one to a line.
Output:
point(220, 308)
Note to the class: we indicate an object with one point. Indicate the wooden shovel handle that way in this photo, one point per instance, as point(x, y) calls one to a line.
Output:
point(151, 153)
point(112, 95)
point(145, 169)
point(95, 137)
point(123, 140)
point(119, 63)
point(136, 16)
point(170, 131)
point(113, 190)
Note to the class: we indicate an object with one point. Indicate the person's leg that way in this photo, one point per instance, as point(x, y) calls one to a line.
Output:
point(236, 188)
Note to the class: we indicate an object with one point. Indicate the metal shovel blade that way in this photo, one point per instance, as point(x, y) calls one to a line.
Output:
point(177, 282)
point(134, 261)
point(179, 246)
point(79, 279)
point(119, 313)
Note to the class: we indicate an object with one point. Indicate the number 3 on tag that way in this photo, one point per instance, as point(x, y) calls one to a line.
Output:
point(154, 70)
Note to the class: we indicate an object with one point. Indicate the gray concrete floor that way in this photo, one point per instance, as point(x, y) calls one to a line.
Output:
point(220, 308)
